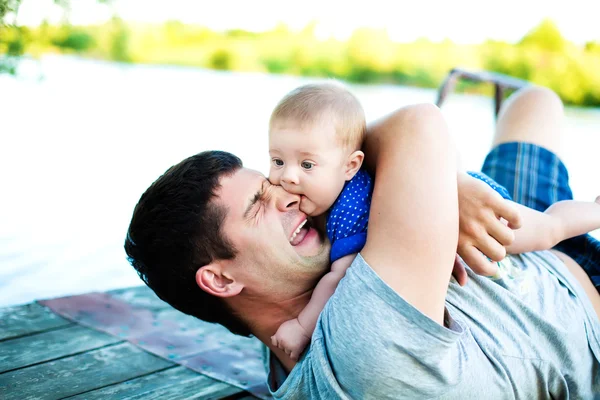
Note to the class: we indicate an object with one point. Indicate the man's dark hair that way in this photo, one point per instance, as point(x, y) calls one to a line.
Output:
point(176, 229)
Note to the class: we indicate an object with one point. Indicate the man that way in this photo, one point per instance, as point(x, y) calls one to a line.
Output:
point(214, 240)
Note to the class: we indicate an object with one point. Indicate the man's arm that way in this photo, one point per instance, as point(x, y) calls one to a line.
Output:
point(561, 221)
point(413, 223)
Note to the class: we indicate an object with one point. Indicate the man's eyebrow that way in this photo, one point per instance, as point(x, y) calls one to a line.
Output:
point(255, 198)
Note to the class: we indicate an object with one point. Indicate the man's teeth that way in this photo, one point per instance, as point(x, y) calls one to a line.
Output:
point(298, 230)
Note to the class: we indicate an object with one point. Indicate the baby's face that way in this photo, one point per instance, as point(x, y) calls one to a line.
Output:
point(308, 161)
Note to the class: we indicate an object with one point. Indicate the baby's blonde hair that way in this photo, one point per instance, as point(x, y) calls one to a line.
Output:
point(310, 104)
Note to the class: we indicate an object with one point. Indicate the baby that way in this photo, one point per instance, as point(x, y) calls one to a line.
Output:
point(315, 135)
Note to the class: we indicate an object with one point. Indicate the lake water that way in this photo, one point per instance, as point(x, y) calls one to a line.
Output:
point(82, 139)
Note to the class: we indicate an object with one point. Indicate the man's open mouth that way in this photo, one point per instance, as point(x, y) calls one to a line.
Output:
point(300, 232)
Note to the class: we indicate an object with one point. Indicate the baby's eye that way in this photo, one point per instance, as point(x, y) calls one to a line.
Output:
point(307, 165)
point(278, 162)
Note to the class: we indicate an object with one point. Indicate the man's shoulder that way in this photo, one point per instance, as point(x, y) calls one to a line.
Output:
point(365, 316)
point(366, 322)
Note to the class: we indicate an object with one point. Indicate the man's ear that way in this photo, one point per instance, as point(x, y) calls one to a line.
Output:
point(212, 279)
point(353, 164)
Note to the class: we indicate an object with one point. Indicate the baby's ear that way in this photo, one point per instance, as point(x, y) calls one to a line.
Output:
point(353, 164)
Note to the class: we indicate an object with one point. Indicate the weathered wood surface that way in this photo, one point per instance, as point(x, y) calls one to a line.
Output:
point(45, 356)
point(45, 346)
point(141, 319)
point(140, 296)
point(79, 373)
point(31, 318)
point(174, 383)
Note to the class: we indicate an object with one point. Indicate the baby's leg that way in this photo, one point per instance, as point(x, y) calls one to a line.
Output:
point(575, 218)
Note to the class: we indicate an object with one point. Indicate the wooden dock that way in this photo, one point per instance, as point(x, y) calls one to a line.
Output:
point(122, 344)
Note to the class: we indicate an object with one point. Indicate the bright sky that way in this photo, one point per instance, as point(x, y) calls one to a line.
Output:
point(462, 21)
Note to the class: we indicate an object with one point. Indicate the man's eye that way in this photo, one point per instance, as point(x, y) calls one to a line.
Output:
point(278, 162)
point(257, 208)
point(307, 165)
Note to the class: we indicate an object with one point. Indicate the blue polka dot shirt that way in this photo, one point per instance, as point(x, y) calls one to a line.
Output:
point(349, 216)
point(492, 183)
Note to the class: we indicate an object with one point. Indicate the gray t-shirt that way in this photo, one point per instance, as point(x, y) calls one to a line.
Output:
point(529, 333)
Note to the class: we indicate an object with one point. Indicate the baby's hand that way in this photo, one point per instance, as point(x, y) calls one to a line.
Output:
point(291, 338)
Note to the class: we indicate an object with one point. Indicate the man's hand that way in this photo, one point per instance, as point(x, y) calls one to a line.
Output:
point(481, 228)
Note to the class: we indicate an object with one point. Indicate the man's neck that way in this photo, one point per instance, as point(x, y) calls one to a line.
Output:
point(267, 316)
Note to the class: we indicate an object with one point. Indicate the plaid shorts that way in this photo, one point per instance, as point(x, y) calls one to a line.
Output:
point(536, 178)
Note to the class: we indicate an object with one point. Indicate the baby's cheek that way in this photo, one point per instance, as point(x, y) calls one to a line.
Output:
point(274, 177)
point(307, 207)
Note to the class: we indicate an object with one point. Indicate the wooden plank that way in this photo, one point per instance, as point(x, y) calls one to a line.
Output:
point(174, 383)
point(171, 317)
point(27, 319)
point(205, 348)
point(46, 346)
point(80, 373)
point(140, 296)
point(205, 393)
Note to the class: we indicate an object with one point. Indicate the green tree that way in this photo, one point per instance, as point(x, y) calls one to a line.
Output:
point(221, 59)
point(7, 7)
point(12, 38)
point(119, 48)
point(593, 47)
point(75, 40)
point(545, 36)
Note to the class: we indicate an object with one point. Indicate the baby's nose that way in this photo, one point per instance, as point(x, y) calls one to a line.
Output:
point(290, 176)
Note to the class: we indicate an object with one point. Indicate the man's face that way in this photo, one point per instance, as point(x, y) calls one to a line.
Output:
point(276, 244)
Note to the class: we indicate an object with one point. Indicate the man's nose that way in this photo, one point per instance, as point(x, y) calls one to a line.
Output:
point(286, 201)
point(290, 176)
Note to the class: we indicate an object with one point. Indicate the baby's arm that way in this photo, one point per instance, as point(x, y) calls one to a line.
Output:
point(293, 335)
point(561, 221)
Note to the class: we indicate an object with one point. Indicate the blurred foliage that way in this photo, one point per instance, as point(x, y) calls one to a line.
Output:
point(6, 7)
point(12, 38)
point(75, 40)
point(119, 41)
point(545, 36)
point(542, 56)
